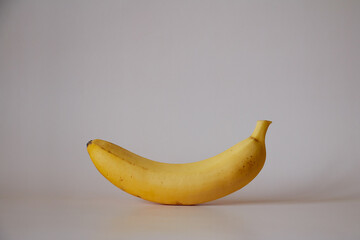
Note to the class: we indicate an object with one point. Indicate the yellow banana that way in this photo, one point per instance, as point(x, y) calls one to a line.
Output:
point(186, 183)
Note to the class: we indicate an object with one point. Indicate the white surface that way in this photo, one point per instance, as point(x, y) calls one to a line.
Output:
point(179, 81)
point(114, 218)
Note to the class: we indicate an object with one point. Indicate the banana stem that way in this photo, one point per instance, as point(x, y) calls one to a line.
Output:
point(260, 130)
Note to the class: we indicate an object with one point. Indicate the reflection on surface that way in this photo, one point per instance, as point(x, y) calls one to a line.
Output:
point(227, 218)
point(193, 221)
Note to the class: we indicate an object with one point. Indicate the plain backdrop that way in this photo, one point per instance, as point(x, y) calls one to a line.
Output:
point(180, 81)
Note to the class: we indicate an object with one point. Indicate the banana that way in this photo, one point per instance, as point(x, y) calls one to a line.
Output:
point(186, 183)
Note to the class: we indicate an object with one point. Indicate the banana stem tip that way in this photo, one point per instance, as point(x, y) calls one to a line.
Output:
point(260, 130)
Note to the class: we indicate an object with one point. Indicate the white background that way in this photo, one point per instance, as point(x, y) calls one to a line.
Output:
point(179, 81)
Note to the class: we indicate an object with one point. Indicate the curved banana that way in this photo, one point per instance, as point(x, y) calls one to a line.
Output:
point(182, 184)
